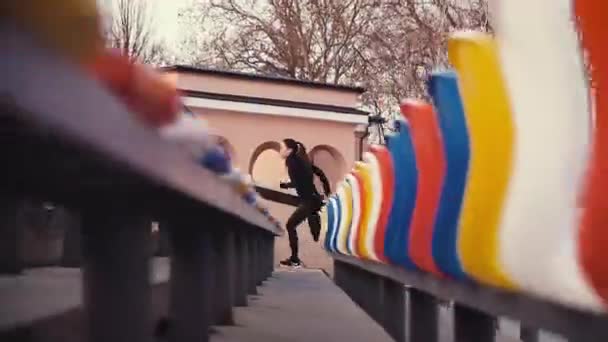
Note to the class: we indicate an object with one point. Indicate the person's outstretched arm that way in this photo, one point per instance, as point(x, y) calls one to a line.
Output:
point(323, 178)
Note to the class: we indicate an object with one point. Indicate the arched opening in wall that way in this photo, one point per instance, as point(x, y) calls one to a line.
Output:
point(266, 166)
point(331, 162)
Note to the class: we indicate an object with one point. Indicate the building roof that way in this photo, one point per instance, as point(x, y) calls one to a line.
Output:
point(273, 102)
point(262, 78)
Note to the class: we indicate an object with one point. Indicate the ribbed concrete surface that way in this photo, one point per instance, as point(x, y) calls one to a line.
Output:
point(301, 305)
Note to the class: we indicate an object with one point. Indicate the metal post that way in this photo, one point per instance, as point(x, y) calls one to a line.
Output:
point(71, 256)
point(343, 277)
point(262, 255)
point(372, 295)
point(353, 283)
point(116, 276)
point(471, 325)
point(10, 237)
point(192, 277)
point(241, 269)
point(394, 309)
point(164, 246)
point(252, 261)
point(339, 274)
point(379, 299)
point(223, 294)
point(261, 266)
point(422, 317)
point(271, 240)
point(259, 257)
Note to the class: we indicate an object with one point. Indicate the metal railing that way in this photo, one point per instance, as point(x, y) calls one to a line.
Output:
point(65, 140)
point(381, 290)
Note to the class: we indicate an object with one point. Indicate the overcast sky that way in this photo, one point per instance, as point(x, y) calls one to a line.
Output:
point(164, 16)
point(165, 12)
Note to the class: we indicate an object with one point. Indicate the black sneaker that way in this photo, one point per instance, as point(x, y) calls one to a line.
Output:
point(291, 262)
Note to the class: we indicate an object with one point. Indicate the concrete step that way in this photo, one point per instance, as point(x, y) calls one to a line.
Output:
point(300, 305)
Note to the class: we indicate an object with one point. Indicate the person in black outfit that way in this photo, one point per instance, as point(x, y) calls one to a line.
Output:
point(301, 173)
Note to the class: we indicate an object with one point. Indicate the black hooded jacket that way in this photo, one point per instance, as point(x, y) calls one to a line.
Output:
point(301, 175)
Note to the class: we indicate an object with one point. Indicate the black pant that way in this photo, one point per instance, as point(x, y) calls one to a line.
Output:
point(306, 210)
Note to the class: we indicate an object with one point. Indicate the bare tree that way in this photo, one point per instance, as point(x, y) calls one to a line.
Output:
point(413, 41)
point(305, 39)
point(387, 46)
point(130, 29)
point(198, 31)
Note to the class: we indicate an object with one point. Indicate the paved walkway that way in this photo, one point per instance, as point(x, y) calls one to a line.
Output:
point(293, 305)
point(305, 305)
point(301, 305)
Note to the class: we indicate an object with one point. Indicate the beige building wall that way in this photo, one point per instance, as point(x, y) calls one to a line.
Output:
point(247, 132)
point(253, 136)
